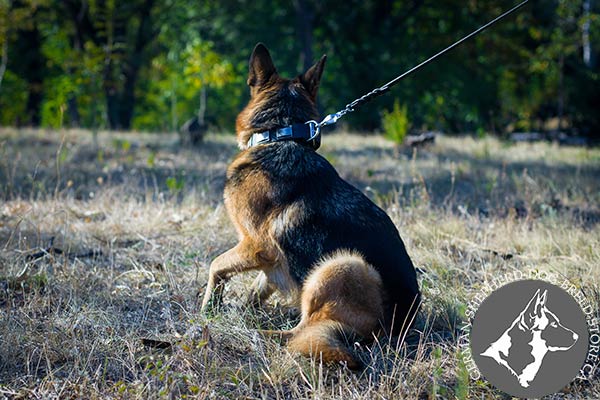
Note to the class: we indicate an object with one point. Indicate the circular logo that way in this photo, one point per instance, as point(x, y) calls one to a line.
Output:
point(529, 338)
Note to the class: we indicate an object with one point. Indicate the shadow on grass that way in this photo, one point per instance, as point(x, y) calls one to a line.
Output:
point(145, 170)
point(484, 186)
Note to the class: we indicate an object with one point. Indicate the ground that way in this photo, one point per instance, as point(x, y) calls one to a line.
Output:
point(106, 239)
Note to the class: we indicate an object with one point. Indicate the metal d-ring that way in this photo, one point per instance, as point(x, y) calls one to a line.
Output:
point(315, 129)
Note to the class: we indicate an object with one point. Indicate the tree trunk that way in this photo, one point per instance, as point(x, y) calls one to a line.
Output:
point(127, 98)
point(73, 112)
point(173, 98)
point(32, 69)
point(131, 67)
point(4, 61)
point(77, 10)
point(304, 20)
point(110, 94)
point(561, 90)
point(202, 107)
point(112, 110)
point(120, 99)
point(585, 34)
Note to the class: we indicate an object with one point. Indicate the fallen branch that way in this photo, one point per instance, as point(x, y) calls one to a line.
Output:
point(420, 140)
point(58, 251)
point(497, 253)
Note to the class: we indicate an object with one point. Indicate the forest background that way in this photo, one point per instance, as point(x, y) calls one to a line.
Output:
point(151, 65)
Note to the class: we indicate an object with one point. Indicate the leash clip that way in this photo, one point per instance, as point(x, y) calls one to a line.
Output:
point(315, 127)
point(332, 118)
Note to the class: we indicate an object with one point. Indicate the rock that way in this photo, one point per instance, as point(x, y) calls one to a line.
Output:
point(192, 131)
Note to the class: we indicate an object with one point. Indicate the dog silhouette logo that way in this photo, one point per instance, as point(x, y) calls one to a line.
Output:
point(529, 338)
point(543, 332)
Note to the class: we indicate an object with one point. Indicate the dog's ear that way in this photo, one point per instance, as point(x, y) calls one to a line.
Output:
point(529, 313)
point(311, 78)
point(540, 303)
point(261, 67)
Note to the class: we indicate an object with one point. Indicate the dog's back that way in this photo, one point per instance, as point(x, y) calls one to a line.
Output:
point(333, 215)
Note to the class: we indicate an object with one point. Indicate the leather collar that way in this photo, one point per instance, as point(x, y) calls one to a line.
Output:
point(301, 133)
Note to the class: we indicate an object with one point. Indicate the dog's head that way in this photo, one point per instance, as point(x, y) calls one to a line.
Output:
point(276, 102)
point(537, 317)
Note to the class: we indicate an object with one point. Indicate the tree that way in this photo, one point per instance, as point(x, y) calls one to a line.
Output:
point(204, 68)
point(127, 32)
point(19, 21)
point(129, 64)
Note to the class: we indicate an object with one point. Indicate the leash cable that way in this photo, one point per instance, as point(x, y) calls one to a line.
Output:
point(350, 107)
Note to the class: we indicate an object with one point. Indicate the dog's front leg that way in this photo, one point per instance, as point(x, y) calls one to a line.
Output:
point(260, 290)
point(246, 256)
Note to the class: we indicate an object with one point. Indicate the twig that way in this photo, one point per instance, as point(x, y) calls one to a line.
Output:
point(58, 161)
point(503, 255)
point(55, 250)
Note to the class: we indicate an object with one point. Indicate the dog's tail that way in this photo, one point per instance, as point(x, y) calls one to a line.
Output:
point(341, 302)
point(326, 341)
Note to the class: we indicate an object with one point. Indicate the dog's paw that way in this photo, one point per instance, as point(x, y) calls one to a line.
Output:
point(254, 301)
point(214, 300)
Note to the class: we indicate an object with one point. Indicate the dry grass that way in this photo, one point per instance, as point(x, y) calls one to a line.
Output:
point(103, 250)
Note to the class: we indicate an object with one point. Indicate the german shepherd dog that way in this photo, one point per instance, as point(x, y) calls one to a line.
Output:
point(311, 235)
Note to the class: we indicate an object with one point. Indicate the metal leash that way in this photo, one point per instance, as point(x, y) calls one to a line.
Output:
point(350, 107)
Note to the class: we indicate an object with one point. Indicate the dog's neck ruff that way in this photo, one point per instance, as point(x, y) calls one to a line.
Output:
point(306, 134)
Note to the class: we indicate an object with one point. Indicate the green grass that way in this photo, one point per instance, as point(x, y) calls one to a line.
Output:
point(104, 249)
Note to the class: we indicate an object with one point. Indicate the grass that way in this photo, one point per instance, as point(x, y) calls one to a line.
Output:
point(104, 247)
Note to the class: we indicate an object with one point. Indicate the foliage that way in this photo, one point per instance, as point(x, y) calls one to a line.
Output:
point(151, 65)
point(175, 184)
point(177, 79)
point(204, 67)
point(13, 16)
point(395, 123)
point(12, 108)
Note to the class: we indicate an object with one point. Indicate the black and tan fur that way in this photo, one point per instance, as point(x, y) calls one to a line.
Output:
point(311, 235)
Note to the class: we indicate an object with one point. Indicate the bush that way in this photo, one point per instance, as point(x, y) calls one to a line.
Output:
point(395, 123)
point(13, 100)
